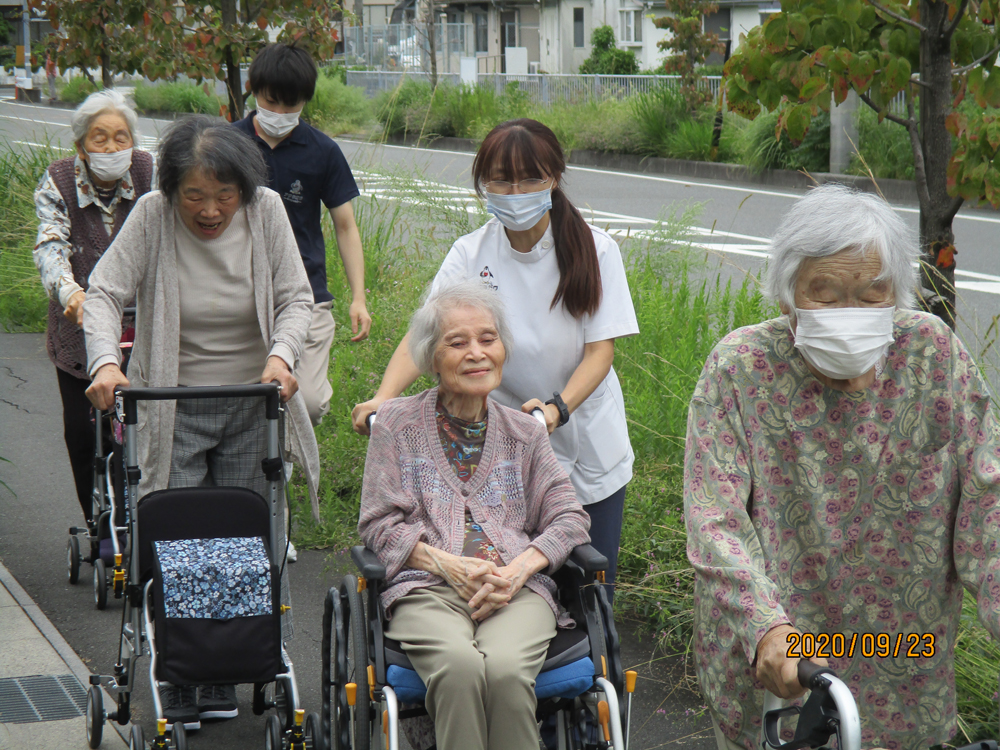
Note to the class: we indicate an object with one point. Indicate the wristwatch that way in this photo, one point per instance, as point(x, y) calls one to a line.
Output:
point(557, 401)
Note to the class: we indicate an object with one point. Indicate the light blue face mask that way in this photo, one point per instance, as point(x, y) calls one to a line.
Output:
point(521, 211)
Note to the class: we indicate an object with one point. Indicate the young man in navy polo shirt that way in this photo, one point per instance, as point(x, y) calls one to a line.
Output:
point(306, 168)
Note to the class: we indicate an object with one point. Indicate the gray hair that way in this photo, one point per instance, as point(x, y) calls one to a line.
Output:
point(831, 218)
point(427, 321)
point(99, 103)
point(214, 146)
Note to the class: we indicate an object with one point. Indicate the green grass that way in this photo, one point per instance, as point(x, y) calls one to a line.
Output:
point(23, 302)
point(336, 107)
point(77, 89)
point(190, 98)
point(882, 147)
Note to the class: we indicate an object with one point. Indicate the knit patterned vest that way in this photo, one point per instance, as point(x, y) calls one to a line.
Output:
point(89, 240)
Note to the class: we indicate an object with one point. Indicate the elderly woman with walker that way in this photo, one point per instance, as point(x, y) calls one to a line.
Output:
point(82, 202)
point(564, 288)
point(222, 299)
point(841, 486)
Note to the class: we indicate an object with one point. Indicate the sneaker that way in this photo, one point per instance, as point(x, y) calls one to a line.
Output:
point(292, 554)
point(180, 704)
point(217, 702)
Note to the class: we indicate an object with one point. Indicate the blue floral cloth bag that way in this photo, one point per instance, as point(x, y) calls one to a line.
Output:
point(217, 611)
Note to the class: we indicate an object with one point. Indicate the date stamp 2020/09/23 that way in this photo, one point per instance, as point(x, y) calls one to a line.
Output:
point(869, 645)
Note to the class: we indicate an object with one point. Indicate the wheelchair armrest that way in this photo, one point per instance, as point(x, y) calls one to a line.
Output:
point(588, 558)
point(368, 563)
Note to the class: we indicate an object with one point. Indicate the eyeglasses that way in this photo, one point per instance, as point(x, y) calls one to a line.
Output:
point(502, 187)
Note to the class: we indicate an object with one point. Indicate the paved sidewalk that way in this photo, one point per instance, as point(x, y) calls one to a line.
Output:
point(42, 680)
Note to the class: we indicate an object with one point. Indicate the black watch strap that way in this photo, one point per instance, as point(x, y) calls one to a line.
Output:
point(561, 406)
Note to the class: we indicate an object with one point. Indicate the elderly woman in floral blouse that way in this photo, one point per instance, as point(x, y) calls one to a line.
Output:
point(82, 201)
point(467, 506)
point(841, 478)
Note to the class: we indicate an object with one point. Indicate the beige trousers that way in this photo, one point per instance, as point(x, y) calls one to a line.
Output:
point(314, 364)
point(480, 678)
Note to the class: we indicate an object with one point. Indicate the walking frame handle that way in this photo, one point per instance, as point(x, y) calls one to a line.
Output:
point(830, 709)
point(127, 398)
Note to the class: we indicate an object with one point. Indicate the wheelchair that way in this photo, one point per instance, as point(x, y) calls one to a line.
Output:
point(368, 682)
point(175, 535)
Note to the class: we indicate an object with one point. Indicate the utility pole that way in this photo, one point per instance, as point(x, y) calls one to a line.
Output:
point(26, 20)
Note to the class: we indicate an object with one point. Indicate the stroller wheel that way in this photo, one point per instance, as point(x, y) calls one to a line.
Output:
point(273, 736)
point(278, 699)
point(73, 560)
point(178, 736)
point(136, 739)
point(95, 716)
point(100, 584)
point(314, 732)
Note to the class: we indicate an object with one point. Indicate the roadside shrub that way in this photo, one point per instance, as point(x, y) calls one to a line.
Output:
point(178, 97)
point(884, 147)
point(605, 56)
point(760, 150)
point(657, 113)
point(78, 89)
point(336, 107)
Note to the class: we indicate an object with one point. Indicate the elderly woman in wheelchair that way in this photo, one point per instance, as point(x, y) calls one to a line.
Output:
point(466, 508)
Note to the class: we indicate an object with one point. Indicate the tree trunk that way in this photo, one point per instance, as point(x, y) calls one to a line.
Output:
point(234, 84)
point(937, 208)
point(107, 77)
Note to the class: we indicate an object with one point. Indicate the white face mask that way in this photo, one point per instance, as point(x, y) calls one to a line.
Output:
point(276, 124)
point(110, 167)
point(844, 342)
point(521, 211)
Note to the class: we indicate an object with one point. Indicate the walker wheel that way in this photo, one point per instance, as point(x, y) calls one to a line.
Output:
point(273, 736)
point(100, 584)
point(178, 736)
point(313, 732)
point(136, 739)
point(73, 560)
point(95, 716)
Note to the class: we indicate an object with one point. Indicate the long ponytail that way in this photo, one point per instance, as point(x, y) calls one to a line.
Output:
point(524, 148)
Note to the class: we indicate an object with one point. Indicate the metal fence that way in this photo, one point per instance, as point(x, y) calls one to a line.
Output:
point(406, 47)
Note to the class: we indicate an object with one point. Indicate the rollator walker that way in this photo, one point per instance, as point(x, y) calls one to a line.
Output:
point(200, 651)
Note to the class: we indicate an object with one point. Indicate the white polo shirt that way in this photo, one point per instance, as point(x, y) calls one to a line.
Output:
point(548, 346)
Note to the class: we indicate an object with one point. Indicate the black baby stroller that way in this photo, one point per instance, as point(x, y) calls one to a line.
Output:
point(105, 534)
point(202, 595)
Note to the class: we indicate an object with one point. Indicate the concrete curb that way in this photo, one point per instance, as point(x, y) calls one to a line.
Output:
point(58, 643)
point(901, 191)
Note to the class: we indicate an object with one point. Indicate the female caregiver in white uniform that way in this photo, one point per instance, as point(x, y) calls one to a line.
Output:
point(567, 300)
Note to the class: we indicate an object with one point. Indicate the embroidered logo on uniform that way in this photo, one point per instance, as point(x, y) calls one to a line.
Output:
point(294, 194)
point(487, 276)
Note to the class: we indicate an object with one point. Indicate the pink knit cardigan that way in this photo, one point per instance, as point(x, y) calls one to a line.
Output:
point(519, 494)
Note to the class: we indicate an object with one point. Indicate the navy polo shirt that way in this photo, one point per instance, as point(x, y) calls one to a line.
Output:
point(307, 168)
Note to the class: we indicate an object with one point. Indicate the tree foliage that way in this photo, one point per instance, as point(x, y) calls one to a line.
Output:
point(207, 39)
point(936, 52)
point(605, 56)
point(689, 46)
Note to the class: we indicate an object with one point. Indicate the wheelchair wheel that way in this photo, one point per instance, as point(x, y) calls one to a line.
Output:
point(95, 716)
point(100, 584)
point(334, 707)
point(136, 739)
point(616, 672)
point(313, 732)
point(273, 735)
point(73, 560)
point(356, 664)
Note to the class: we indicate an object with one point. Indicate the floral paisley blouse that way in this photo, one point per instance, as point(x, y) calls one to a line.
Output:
point(842, 513)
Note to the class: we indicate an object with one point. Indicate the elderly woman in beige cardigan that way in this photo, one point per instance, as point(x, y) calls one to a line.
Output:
point(222, 299)
point(466, 505)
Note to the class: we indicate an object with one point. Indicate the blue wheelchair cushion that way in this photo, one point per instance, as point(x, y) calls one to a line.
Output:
point(567, 681)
